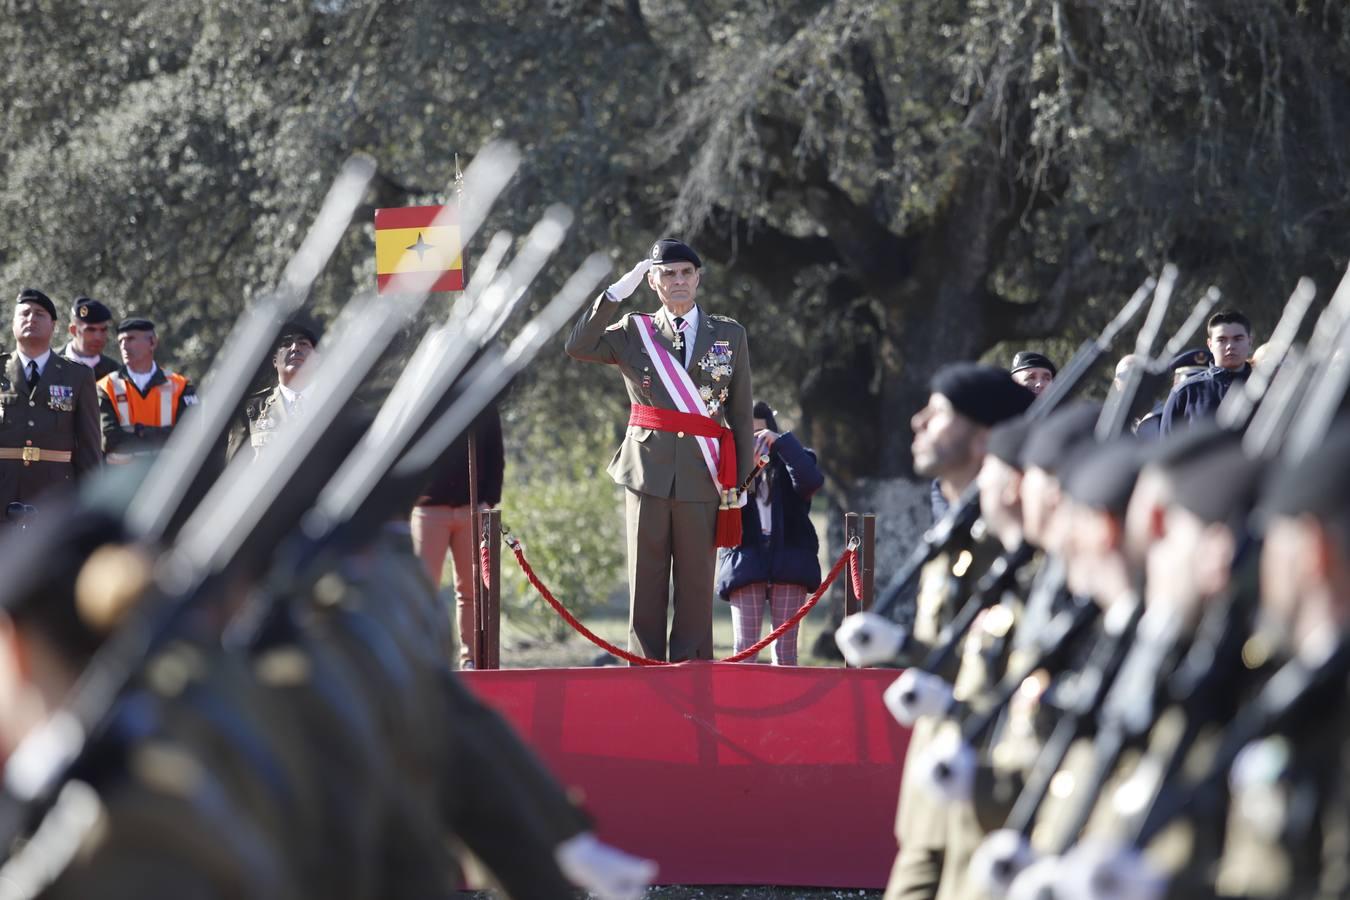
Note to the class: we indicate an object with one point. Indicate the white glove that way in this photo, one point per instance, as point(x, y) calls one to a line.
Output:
point(916, 693)
point(1099, 871)
point(608, 873)
point(624, 287)
point(998, 860)
point(867, 639)
point(947, 768)
point(1038, 881)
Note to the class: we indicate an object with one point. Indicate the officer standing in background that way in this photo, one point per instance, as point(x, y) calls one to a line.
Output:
point(266, 410)
point(48, 408)
point(1184, 365)
point(89, 323)
point(688, 378)
point(140, 403)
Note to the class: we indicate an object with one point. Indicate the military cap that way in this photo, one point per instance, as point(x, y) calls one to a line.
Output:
point(1028, 359)
point(1220, 484)
point(33, 295)
point(1103, 476)
point(1007, 439)
point(88, 311)
point(984, 394)
point(1318, 484)
point(1194, 358)
point(293, 329)
point(135, 324)
point(670, 250)
point(1050, 443)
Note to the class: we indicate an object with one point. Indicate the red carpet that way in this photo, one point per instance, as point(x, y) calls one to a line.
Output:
point(724, 774)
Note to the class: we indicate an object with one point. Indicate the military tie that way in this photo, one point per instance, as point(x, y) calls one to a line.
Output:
point(684, 345)
point(32, 375)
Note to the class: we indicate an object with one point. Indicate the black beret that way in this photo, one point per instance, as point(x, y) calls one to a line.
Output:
point(33, 295)
point(295, 329)
point(1103, 476)
point(1219, 485)
point(1318, 484)
point(669, 250)
point(88, 311)
point(1176, 448)
point(984, 394)
point(1028, 359)
point(1007, 439)
point(1196, 357)
point(1051, 440)
point(135, 325)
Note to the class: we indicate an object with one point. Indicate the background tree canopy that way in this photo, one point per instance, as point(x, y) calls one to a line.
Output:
point(878, 186)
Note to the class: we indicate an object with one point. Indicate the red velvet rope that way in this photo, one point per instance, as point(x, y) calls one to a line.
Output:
point(485, 563)
point(850, 553)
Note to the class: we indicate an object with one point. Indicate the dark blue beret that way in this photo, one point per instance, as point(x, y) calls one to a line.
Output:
point(135, 325)
point(1028, 359)
point(1007, 439)
point(669, 250)
point(984, 394)
point(33, 295)
point(1103, 476)
point(88, 311)
point(1053, 439)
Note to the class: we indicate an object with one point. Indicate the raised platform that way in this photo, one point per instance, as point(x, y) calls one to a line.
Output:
point(724, 774)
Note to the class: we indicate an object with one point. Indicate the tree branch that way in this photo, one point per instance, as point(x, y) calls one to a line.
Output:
point(1034, 320)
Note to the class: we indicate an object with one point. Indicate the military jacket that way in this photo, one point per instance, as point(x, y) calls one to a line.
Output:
point(659, 462)
point(59, 414)
point(263, 413)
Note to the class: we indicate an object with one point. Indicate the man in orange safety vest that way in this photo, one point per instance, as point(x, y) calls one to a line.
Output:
point(140, 403)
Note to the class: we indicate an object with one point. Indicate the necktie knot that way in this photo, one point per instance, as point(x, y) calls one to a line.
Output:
point(679, 324)
point(32, 371)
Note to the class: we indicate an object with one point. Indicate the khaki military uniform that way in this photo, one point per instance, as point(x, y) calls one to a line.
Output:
point(922, 825)
point(672, 501)
point(51, 428)
point(263, 413)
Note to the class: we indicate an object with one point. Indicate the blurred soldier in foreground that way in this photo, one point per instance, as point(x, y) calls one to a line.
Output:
point(265, 411)
point(950, 436)
point(48, 408)
point(89, 323)
point(140, 402)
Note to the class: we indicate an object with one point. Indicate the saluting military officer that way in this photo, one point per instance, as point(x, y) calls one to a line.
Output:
point(48, 408)
point(140, 403)
point(265, 411)
point(950, 437)
point(89, 323)
point(690, 438)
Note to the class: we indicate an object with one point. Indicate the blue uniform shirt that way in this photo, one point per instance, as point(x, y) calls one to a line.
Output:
point(1198, 397)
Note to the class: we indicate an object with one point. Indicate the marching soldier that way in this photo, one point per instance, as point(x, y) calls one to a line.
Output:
point(950, 437)
point(89, 323)
point(265, 411)
point(140, 403)
point(48, 409)
point(689, 442)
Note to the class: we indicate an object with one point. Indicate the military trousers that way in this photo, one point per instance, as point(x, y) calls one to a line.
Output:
point(670, 540)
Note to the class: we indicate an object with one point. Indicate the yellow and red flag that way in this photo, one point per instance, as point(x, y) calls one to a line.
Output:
point(419, 239)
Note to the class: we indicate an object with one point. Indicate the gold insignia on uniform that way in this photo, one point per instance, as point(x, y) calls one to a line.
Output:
point(998, 621)
point(963, 563)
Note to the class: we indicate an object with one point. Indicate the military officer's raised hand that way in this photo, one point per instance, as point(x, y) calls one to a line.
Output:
point(624, 287)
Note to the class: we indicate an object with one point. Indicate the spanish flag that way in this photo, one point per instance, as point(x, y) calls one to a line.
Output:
point(407, 241)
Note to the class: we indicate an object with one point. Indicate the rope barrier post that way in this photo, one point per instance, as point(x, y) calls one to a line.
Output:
point(852, 529)
point(489, 630)
point(868, 552)
point(475, 640)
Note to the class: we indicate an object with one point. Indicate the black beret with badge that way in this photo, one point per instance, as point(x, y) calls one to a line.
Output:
point(669, 250)
point(984, 394)
point(294, 329)
point(1188, 362)
point(1102, 476)
point(89, 311)
point(33, 295)
point(1057, 436)
point(135, 324)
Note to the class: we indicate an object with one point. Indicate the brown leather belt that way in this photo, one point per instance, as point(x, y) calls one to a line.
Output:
point(34, 454)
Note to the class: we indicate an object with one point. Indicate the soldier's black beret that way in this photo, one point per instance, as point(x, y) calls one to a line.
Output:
point(88, 311)
point(1219, 485)
point(1028, 359)
point(1007, 439)
point(293, 329)
point(33, 295)
point(1318, 484)
point(984, 394)
point(669, 250)
point(1194, 358)
point(135, 324)
point(1103, 476)
point(1051, 441)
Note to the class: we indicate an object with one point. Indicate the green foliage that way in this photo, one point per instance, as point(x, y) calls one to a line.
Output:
point(559, 500)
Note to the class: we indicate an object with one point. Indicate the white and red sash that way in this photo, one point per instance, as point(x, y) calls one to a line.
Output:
point(685, 396)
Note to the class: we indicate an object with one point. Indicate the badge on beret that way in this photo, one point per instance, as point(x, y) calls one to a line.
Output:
point(1200, 358)
point(84, 312)
point(656, 252)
